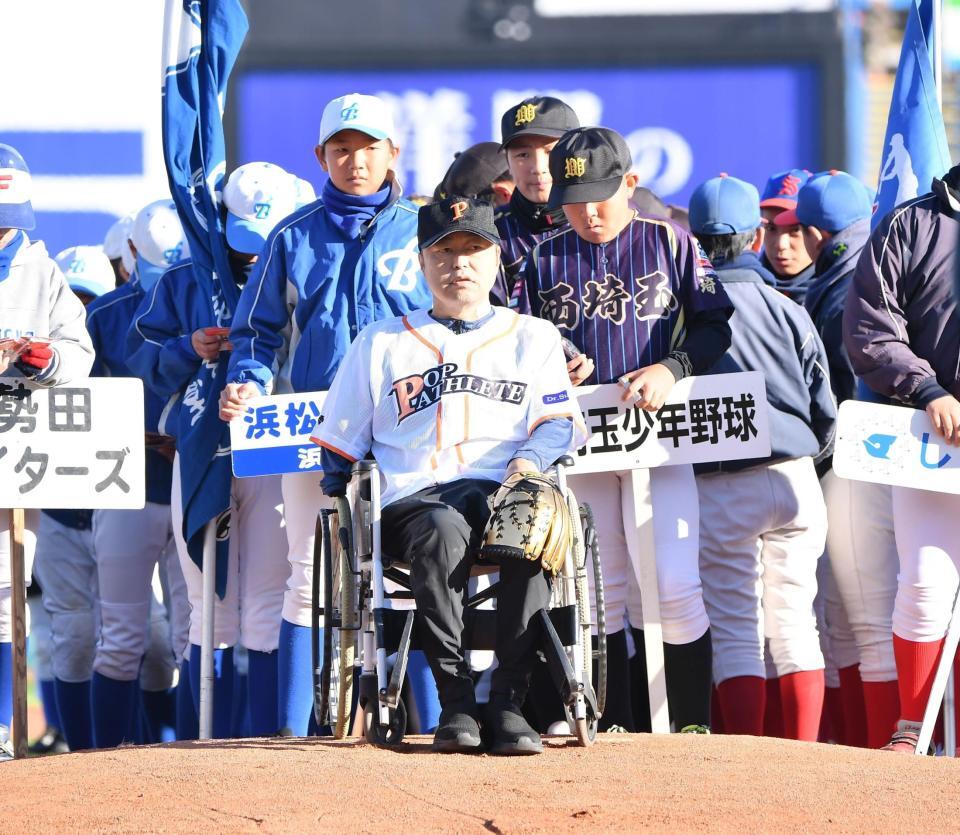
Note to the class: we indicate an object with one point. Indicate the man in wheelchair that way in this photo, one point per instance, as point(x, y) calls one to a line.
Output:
point(451, 402)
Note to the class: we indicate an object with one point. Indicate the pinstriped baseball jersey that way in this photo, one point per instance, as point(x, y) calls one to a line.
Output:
point(516, 241)
point(623, 303)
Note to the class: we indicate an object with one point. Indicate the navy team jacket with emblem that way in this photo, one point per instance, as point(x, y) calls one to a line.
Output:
point(650, 295)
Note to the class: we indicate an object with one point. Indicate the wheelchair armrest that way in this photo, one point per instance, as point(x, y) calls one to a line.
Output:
point(564, 461)
point(365, 465)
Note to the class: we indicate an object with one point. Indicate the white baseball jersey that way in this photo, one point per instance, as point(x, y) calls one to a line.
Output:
point(434, 406)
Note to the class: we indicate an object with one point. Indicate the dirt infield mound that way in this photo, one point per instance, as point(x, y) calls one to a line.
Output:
point(677, 783)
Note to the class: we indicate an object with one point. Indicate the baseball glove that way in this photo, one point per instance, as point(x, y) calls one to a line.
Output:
point(530, 520)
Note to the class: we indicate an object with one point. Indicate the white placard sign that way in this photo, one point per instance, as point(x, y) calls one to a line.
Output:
point(274, 435)
point(894, 445)
point(717, 417)
point(74, 446)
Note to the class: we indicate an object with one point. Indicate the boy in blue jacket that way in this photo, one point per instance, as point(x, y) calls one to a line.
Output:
point(763, 522)
point(327, 271)
point(130, 543)
point(177, 331)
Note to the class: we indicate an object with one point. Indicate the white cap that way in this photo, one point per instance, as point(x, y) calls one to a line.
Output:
point(367, 114)
point(305, 191)
point(258, 196)
point(115, 242)
point(87, 269)
point(158, 235)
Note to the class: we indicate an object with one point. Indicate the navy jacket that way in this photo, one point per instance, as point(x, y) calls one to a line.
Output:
point(775, 336)
point(902, 322)
point(827, 297)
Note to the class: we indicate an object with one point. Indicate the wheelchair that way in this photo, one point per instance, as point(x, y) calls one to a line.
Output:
point(360, 633)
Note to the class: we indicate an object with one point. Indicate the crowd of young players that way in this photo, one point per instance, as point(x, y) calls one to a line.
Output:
point(793, 603)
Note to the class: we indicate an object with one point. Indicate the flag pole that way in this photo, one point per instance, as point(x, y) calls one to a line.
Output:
point(938, 49)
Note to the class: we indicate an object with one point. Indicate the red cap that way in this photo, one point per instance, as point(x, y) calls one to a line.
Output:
point(787, 218)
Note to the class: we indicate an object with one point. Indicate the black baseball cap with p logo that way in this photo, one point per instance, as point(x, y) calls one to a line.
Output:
point(587, 166)
point(537, 116)
point(456, 214)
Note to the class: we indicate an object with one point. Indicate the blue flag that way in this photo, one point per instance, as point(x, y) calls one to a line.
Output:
point(201, 42)
point(915, 147)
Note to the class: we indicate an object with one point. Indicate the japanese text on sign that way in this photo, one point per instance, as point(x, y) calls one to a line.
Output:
point(717, 417)
point(75, 446)
point(273, 436)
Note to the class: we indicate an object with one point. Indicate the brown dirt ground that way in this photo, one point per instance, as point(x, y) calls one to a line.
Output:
point(628, 782)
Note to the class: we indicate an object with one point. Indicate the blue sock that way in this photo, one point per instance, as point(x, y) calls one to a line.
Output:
point(424, 689)
point(48, 696)
point(186, 710)
point(114, 709)
point(157, 714)
point(222, 688)
point(6, 683)
point(262, 692)
point(240, 714)
point(295, 677)
point(73, 707)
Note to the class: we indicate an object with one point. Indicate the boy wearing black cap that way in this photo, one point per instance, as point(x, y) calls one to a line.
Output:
point(529, 130)
point(480, 172)
point(640, 298)
point(451, 401)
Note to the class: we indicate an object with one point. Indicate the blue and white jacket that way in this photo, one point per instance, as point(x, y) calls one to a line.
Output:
point(314, 289)
point(108, 318)
point(776, 336)
point(158, 341)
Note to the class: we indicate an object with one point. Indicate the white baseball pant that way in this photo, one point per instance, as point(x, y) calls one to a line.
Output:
point(302, 501)
point(249, 612)
point(66, 568)
point(927, 527)
point(862, 551)
point(761, 534)
point(128, 545)
point(31, 524)
point(676, 521)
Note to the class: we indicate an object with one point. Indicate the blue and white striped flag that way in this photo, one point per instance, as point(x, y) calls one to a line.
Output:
point(915, 146)
point(201, 42)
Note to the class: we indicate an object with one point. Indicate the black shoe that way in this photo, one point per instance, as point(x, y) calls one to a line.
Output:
point(52, 742)
point(510, 733)
point(458, 731)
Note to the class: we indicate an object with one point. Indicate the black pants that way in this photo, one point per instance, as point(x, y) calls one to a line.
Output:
point(438, 531)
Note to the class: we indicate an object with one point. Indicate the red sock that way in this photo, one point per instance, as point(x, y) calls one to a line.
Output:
point(716, 712)
point(773, 714)
point(916, 667)
point(854, 711)
point(832, 725)
point(802, 697)
point(882, 703)
point(742, 700)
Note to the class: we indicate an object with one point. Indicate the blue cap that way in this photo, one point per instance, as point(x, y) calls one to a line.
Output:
point(831, 201)
point(724, 205)
point(16, 189)
point(782, 189)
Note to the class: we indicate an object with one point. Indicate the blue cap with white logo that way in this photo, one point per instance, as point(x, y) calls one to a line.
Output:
point(724, 205)
point(16, 189)
point(257, 196)
point(831, 201)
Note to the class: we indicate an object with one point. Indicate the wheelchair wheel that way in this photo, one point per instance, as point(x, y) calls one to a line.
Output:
point(341, 620)
point(389, 734)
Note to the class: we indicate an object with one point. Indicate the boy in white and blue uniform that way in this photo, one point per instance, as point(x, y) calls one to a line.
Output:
point(763, 522)
point(328, 271)
point(174, 334)
point(129, 544)
point(35, 301)
point(65, 564)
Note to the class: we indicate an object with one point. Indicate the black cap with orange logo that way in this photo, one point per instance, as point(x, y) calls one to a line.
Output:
point(456, 214)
